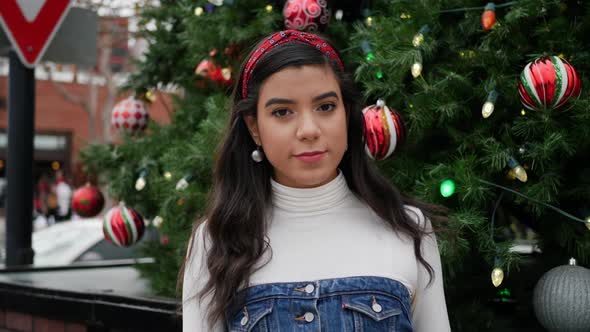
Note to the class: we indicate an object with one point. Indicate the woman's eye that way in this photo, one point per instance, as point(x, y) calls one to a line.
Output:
point(281, 112)
point(327, 107)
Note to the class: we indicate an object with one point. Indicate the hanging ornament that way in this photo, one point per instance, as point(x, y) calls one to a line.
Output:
point(488, 107)
point(306, 15)
point(488, 18)
point(123, 226)
point(130, 116)
point(548, 82)
point(562, 297)
point(517, 169)
point(384, 130)
point(87, 201)
point(447, 188)
point(207, 69)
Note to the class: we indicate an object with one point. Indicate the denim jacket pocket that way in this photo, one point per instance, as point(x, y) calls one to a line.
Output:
point(252, 317)
point(373, 312)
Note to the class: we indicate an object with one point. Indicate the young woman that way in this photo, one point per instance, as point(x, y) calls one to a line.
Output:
point(302, 232)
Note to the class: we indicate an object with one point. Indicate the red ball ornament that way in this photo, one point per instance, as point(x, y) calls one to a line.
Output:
point(130, 115)
point(548, 82)
point(207, 69)
point(488, 18)
point(123, 226)
point(87, 201)
point(384, 130)
point(306, 15)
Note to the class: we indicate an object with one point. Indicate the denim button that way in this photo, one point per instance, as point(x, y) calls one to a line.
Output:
point(309, 289)
point(376, 307)
point(244, 321)
point(309, 317)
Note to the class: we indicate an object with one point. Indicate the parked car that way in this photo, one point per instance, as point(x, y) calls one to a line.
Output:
point(80, 241)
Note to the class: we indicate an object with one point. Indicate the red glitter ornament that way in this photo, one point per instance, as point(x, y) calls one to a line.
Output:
point(306, 15)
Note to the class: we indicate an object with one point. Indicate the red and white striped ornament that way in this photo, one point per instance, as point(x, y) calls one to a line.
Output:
point(548, 82)
point(123, 226)
point(384, 130)
point(130, 115)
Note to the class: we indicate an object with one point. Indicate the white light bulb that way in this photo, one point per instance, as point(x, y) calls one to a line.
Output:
point(487, 109)
point(140, 183)
point(182, 184)
point(416, 69)
point(339, 14)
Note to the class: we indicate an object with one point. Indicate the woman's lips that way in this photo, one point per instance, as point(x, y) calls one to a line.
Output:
point(310, 157)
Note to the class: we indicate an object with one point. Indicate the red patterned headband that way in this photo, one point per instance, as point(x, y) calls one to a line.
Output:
point(283, 37)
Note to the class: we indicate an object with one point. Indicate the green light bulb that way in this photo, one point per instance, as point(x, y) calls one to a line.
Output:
point(379, 75)
point(447, 188)
point(370, 56)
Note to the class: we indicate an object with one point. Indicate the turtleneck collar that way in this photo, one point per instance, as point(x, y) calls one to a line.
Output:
point(310, 200)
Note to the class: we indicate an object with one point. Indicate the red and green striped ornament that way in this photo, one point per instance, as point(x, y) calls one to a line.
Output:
point(123, 226)
point(548, 82)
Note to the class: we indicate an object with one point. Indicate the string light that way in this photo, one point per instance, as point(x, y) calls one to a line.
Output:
point(488, 107)
point(167, 175)
point(369, 21)
point(158, 221)
point(447, 188)
point(141, 181)
point(497, 276)
point(416, 69)
point(367, 50)
point(518, 170)
point(199, 11)
point(182, 184)
point(269, 8)
point(488, 18)
point(522, 112)
point(419, 37)
point(339, 14)
point(405, 16)
point(587, 222)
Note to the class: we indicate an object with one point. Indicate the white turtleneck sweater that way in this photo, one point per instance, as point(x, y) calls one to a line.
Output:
point(327, 232)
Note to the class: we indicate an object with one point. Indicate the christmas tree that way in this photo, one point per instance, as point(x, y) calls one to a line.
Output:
point(496, 112)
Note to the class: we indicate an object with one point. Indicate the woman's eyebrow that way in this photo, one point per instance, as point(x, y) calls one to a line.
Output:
point(289, 101)
point(326, 95)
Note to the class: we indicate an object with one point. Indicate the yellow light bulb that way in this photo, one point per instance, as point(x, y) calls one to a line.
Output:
point(405, 16)
point(226, 73)
point(487, 109)
point(416, 69)
point(55, 165)
point(588, 222)
point(269, 8)
point(369, 21)
point(418, 39)
point(497, 276)
point(522, 112)
point(520, 173)
point(198, 11)
point(140, 183)
point(168, 175)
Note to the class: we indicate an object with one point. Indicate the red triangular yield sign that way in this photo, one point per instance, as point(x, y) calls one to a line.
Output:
point(30, 34)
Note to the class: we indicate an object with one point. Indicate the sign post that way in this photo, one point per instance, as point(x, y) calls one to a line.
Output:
point(30, 25)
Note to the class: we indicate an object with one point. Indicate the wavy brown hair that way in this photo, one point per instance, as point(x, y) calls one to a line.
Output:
point(241, 194)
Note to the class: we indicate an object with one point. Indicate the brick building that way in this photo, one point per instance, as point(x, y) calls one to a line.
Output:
point(62, 127)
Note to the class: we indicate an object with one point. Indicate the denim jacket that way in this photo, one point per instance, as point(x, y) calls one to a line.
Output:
point(366, 303)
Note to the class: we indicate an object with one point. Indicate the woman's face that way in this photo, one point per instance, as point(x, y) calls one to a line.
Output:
point(301, 125)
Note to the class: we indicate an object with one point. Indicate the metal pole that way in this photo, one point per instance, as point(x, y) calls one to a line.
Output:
point(19, 163)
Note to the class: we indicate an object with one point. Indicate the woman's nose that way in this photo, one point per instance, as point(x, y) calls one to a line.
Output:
point(308, 128)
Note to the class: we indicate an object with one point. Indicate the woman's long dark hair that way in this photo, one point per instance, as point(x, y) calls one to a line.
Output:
point(241, 194)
